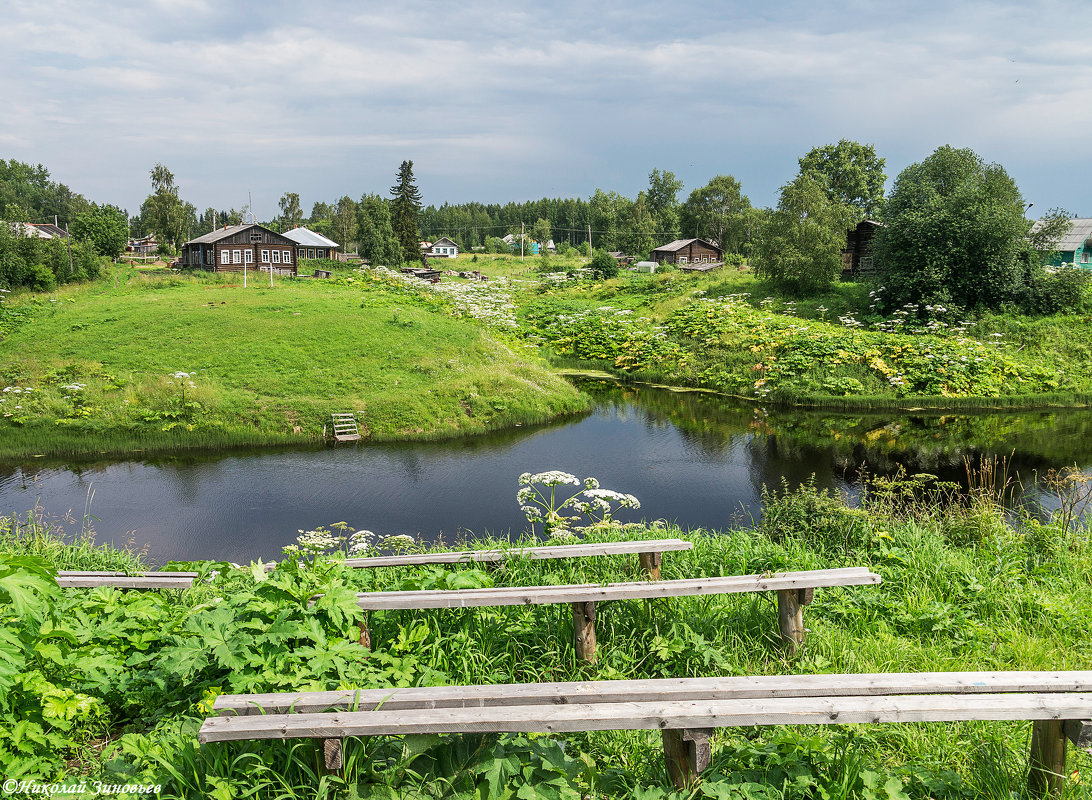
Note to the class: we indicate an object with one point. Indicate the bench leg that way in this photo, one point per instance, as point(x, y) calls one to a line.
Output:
point(331, 754)
point(790, 616)
point(584, 631)
point(650, 563)
point(1047, 762)
point(365, 634)
point(687, 753)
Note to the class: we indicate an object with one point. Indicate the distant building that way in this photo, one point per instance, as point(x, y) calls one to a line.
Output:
point(47, 230)
point(689, 253)
point(144, 246)
point(857, 256)
point(442, 248)
point(234, 248)
point(1075, 246)
point(312, 245)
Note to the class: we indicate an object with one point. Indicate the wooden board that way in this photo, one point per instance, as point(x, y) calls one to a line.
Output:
point(532, 553)
point(658, 690)
point(590, 593)
point(654, 716)
point(121, 580)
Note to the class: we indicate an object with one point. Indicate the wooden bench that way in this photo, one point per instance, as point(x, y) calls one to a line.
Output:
point(686, 710)
point(124, 580)
point(794, 591)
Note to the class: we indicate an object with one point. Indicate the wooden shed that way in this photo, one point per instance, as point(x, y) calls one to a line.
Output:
point(857, 255)
point(689, 253)
point(237, 247)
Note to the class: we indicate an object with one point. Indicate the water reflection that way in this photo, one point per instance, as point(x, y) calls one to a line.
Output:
point(692, 458)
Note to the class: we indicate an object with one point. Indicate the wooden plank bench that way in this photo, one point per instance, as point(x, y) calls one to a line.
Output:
point(794, 591)
point(124, 580)
point(686, 710)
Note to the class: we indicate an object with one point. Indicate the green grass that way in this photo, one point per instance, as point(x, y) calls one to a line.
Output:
point(963, 589)
point(268, 366)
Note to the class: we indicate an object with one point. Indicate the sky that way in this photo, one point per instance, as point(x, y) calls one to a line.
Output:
point(499, 101)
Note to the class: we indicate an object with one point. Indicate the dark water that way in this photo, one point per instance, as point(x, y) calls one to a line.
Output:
point(689, 458)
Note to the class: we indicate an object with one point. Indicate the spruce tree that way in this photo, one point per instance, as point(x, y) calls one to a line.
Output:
point(405, 207)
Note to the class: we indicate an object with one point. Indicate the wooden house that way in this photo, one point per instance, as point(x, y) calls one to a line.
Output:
point(857, 255)
point(47, 230)
point(1075, 246)
point(689, 253)
point(234, 248)
point(442, 248)
point(312, 245)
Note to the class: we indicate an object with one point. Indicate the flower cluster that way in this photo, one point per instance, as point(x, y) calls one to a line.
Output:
point(542, 505)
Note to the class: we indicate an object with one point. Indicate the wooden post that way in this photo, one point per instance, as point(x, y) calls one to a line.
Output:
point(584, 631)
point(790, 616)
point(687, 753)
point(1046, 774)
point(331, 753)
point(1079, 732)
point(650, 563)
point(365, 634)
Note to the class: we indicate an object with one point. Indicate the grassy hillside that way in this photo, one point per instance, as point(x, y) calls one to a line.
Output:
point(156, 360)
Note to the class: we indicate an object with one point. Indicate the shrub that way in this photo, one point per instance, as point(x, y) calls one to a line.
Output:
point(603, 265)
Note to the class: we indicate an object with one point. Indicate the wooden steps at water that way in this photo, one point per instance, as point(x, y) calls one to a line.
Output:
point(345, 429)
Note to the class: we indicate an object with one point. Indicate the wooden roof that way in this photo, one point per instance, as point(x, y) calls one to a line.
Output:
point(231, 230)
point(679, 244)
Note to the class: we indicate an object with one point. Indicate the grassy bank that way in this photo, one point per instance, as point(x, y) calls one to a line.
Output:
point(157, 361)
point(114, 684)
point(724, 331)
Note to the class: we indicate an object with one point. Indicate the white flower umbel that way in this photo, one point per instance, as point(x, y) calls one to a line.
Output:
point(543, 505)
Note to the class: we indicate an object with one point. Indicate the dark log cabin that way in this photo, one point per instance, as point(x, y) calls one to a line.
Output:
point(857, 257)
point(688, 253)
point(235, 247)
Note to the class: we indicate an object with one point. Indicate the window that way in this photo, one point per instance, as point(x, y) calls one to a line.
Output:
point(302, 253)
point(265, 256)
point(287, 256)
point(682, 259)
point(866, 263)
point(225, 257)
point(248, 256)
point(1084, 257)
point(236, 256)
point(276, 256)
point(256, 236)
point(310, 253)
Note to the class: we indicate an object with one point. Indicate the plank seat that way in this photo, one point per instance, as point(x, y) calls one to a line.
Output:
point(685, 710)
point(124, 580)
point(794, 591)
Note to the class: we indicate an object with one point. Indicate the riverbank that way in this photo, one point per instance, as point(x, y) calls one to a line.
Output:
point(147, 361)
point(964, 588)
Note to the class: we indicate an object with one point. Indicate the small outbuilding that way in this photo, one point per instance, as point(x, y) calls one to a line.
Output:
point(312, 245)
point(692, 253)
point(857, 256)
point(234, 248)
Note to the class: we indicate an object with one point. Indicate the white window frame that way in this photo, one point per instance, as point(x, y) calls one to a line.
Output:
point(681, 260)
point(225, 257)
point(248, 256)
point(287, 258)
point(1084, 257)
point(310, 253)
point(265, 256)
point(865, 262)
point(236, 256)
point(303, 252)
point(276, 256)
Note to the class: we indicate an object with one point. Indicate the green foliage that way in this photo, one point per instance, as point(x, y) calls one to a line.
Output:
point(291, 214)
point(719, 212)
point(43, 264)
point(802, 241)
point(955, 234)
point(405, 208)
point(853, 174)
point(377, 242)
point(28, 195)
point(603, 265)
point(662, 199)
point(164, 212)
point(105, 227)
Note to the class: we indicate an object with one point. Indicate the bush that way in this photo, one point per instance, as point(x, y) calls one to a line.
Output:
point(1063, 289)
point(603, 265)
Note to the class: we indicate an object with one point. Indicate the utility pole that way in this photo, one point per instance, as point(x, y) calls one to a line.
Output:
point(68, 241)
point(521, 241)
point(589, 239)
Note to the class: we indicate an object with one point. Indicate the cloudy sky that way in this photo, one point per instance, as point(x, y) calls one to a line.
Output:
point(498, 101)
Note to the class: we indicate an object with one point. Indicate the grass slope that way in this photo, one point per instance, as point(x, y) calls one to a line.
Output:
point(266, 366)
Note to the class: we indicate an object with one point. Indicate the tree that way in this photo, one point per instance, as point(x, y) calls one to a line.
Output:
point(163, 210)
point(640, 234)
point(540, 232)
point(345, 222)
point(377, 242)
point(955, 234)
point(854, 175)
point(405, 208)
point(291, 214)
point(719, 213)
point(106, 227)
point(603, 265)
point(801, 244)
point(663, 202)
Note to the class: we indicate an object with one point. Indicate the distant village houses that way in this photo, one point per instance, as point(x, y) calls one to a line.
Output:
point(310, 244)
point(689, 254)
point(1075, 247)
point(441, 248)
point(234, 248)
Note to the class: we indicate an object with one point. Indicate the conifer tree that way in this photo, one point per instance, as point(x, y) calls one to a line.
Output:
point(405, 207)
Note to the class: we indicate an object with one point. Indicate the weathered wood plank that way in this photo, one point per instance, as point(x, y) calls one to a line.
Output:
point(790, 618)
point(589, 593)
point(687, 753)
point(647, 716)
point(1079, 732)
point(120, 580)
point(530, 553)
point(658, 690)
point(584, 632)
